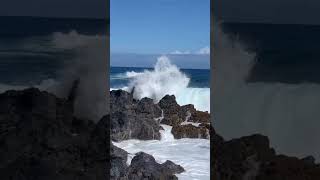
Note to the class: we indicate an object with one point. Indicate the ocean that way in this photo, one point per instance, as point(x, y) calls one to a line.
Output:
point(266, 81)
point(286, 53)
point(48, 52)
point(35, 50)
point(190, 86)
point(120, 76)
point(51, 53)
point(192, 154)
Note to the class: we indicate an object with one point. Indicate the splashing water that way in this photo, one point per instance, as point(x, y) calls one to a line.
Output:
point(192, 154)
point(166, 79)
point(287, 113)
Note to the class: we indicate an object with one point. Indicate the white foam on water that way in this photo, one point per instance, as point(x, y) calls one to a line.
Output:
point(166, 79)
point(192, 154)
point(166, 134)
point(199, 97)
point(126, 75)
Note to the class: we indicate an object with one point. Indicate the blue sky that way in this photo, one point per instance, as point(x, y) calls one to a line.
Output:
point(160, 26)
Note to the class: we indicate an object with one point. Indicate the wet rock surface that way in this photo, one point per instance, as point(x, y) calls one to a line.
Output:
point(251, 157)
point(190, 131)
point(185, 120)
point(133, 119)
point(118, 159)
point(140, 119)
point(144, 166)
point(41, 139)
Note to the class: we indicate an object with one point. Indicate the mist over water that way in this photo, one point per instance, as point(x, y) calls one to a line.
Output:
point(165, 79)
point(90, 67)
point(64, 58)
point(287, 113)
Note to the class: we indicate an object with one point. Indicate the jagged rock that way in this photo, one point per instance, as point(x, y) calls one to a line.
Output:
point(121, 100)
point(147, 106)
point(172, 168)
point(195, 116)
point(190, 131)
point(237, 157)
point(137, 119)
point(284, 167)
point(310, 160)
point(133, 119)
point(171, 110)
point(251, 157)
point(144, 166)
point(186, 121)
point(119, 167)
point(41, 139)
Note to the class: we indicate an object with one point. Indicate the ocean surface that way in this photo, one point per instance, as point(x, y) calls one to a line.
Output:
point(266, 80)
point(192, 154)
point(35, 51)
point(120, 76)
point(40, 52)
point(287, 53)
point(190, 86)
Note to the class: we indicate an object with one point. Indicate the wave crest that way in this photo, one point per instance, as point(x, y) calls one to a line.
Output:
point(166, 78)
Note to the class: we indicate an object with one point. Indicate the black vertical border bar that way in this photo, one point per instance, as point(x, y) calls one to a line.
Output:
point(215, 139)
point(108, 125)
point(211, 99)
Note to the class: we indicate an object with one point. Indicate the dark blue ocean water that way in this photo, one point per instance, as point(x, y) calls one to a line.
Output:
point(19, 27)
point(278, 94)
point(28, 53)
point(198, 77)
point(286, 53)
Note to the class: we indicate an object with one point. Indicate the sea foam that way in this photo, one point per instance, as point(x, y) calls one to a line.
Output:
point(192, 154)
point(166, 78)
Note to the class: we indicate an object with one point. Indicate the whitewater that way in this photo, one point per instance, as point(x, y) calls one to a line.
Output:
point(166, 78)
point(192, 154)
point(287, 113)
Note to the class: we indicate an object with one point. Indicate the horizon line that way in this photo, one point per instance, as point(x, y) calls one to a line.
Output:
point(151, 67)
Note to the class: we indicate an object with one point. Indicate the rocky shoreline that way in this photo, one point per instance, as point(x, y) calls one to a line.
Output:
point(252, 158)
point(41, 138)
point(142, 119)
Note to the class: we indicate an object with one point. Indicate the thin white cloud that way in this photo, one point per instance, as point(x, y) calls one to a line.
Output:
point(205, 50)
point(180, 52)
